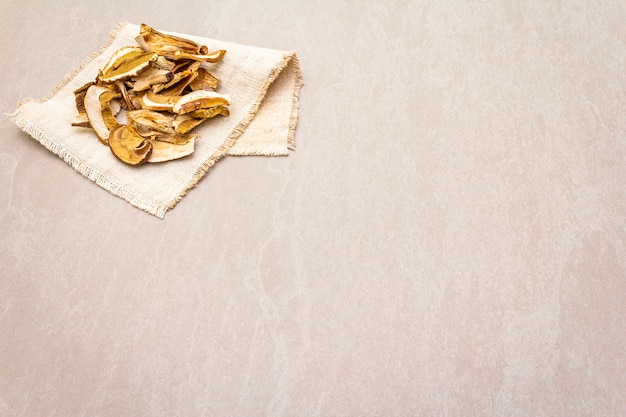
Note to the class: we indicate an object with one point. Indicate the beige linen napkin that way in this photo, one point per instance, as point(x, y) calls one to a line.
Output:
point(263, 84)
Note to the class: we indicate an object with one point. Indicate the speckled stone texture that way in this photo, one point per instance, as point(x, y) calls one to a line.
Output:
point(447, 239)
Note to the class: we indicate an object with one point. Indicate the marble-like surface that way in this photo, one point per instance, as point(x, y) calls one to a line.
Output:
point(448, 238)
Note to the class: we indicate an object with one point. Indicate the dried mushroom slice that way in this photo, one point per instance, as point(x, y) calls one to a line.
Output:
point(122, 55)
point(129, 146)
point(201, 99)
point(150, 123)
point(165, 151)
point(153, 101)
point(166, 45)
point(152, 76)
point(184, 123)
point(212, 57)
point(98, 107)
point(127, 66)
point(204, 81)
point(210, 112)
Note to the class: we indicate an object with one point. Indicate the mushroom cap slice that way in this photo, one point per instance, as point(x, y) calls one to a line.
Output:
point(129, 146)
point(128, 65)
point(166, 151)
point(166, 45)
point(200, 99)
point(99, 112)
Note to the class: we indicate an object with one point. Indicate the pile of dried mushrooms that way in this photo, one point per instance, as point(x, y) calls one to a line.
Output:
point(162, 88)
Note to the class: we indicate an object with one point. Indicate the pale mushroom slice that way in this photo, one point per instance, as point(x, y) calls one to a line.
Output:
point(150, 123)
point(127, 65)
point(200, 99)
point(152, 76)
point(163, 151)
point(129, 146)
point(153, 101)
point(100, 112)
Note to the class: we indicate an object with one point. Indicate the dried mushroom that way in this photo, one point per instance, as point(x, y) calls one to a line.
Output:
point(99, 111)
point(129, 146)
point(163, 90)
point(200, 99)
point(166, 151)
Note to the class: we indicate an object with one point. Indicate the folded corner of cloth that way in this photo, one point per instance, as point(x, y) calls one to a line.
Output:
point(263, 84)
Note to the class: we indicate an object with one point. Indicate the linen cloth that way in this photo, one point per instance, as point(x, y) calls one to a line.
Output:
point(264, 85)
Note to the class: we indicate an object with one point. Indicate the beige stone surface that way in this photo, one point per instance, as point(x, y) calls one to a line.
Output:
point(447, 239)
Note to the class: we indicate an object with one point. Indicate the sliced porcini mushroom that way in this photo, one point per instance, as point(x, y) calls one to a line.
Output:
point(166, 45)
point(164, 63)
point(122, 55)
point(98, 108)
point(210, 112)
point(150, 123)
point(152, 76)
point(204, 81)
point(166, 151)
point(178, 84)
point(127, 65)
point(128, 104)
point(200, 99)
point(212, 57)
point(153, 101)
point(184, 123)
point(129, 146)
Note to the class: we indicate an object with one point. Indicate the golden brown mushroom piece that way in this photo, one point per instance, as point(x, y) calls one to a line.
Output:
point(129, 146)
point(165, 45)
point(125, 63)
point(98, 108)
point(200, 99)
